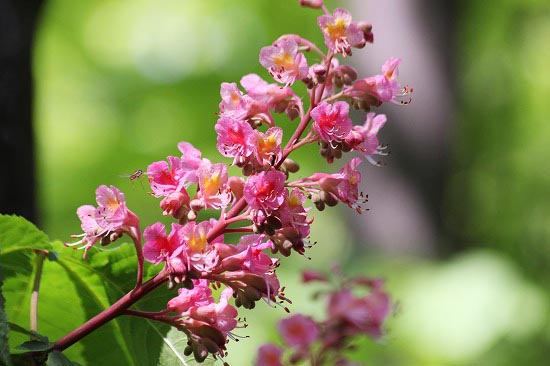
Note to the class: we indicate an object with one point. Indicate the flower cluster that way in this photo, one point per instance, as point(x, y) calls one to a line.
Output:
point(265, 204)
point(323, 342)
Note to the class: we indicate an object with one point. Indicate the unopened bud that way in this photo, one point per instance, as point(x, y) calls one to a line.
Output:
point(191, 215)
point(188, 350)
point(105, 241)
point(247, 170)
point(366, 27)
point(309, 82)
point(252, 293)
point(314, 4)
point(274, 222)
point(291, 166)
point(292, 113)
point(196, 205)
point(320, 205)
point(319, 70)
point(281, 106)
point(338, 82)
point(200, 352)
point(328, 199)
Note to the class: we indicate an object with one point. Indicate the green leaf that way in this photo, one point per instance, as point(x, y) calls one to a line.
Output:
point(18, 234)
point(4, 349)
point(16, 328)
point(90, 286)
point(57, 358)
point(73, 290)
point(19, 239)
point(33, 346)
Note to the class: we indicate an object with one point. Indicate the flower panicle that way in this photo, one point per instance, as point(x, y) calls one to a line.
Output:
point(270, 210)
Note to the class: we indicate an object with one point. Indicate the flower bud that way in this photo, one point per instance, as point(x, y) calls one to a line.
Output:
point(292, 112)
point(290, 165)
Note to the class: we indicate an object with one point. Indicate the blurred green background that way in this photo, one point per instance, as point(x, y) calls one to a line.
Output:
point(120, 83)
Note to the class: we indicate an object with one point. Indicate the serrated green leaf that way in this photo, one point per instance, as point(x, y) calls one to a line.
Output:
point(57, 358)
point(33, 346)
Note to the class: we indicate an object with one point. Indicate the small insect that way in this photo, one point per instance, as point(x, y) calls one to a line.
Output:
point(135, 175)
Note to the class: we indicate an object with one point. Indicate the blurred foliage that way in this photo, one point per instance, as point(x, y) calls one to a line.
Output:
point(499, 195)
point(120, 83)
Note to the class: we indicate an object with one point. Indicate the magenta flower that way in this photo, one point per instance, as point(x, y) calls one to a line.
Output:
point(158, 246)
point(234, 139)
point(342, 186)
point(364, 138)
point(298, 331)
point(267, 146)
point(359, 314)
point(268, 94)
point(340, 32)
point(199, 295)
point(108, 221)
point(384, 87)
point(265, 191)
point(173, 203)
point(237, 105)
point(331, 121)
point(283, 61)
point(269, 355)
point(213, 189)
point(250, 256)
point(221, 316)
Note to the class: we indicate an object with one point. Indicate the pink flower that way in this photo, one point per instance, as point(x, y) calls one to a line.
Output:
point(331, 121)
point(176, 175)
point(213, 190)
point(268, 94)
point(198, 254)
point(340, 32)
point(199, 295)
point(108, 221)
point(364, 138)
point(269, 355)
point(236, 105)
point(342, 185)
point(265, 190)
point(298, 331)
point(234, 139)
point(284, 62)
point(158, 247)
point(190, 159)
point(384, 87)
point(267, 146)
point(359, 314)
point(172, 203)
point(250, 256)
point(220, 316)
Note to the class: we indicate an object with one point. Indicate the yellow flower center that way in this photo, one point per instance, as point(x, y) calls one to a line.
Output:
point(112, 204)
point(336, 29)
point(285, 60)
point(211, 185)
point(197, 243)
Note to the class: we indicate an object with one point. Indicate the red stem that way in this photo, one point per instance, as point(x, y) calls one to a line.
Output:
point(118, 308)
